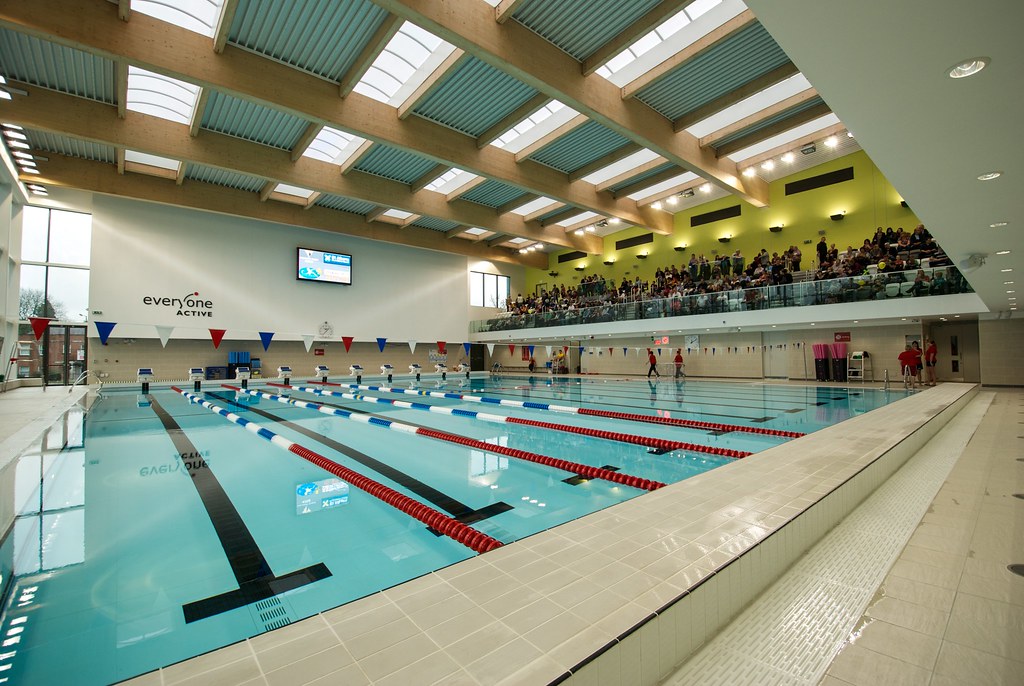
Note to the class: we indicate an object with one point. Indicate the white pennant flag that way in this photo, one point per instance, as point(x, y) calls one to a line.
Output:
point(547, 350)
point(490, 348)
point(164, 332)
point(638, 351)
point(412, 346)
point(307, 340)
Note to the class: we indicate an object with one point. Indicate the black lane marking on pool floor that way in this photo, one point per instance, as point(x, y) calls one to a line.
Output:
point(460, 511)
point(252, 572)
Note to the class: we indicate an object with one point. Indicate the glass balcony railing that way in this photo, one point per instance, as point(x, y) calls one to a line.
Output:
point(607, 307)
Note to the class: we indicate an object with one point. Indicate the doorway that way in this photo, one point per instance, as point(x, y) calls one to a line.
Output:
point(775, 356)
point(958, 352)
point(64, 349)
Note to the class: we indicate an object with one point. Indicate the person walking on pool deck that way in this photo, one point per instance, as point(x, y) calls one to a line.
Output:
point(908, 367)
point(653, 359)
point(679, 362)
point(931, 354)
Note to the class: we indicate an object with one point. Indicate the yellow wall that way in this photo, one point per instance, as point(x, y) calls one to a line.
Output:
point(868, 200)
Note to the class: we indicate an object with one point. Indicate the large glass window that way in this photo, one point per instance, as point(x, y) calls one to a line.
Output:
point(488, 290)
point(55, 264)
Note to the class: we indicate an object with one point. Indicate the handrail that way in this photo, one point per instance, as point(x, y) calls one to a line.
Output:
point(84, 375)
point(863, 287)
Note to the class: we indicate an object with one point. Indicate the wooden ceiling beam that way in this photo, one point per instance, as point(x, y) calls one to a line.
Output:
point(652, 19)
point(366, 57)
point(753, 119)
point(781, 126)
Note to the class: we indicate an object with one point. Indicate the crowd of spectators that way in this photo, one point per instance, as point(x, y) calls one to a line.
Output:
point(699, 284)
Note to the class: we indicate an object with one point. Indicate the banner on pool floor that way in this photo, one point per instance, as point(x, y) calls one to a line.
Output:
point(325, 494)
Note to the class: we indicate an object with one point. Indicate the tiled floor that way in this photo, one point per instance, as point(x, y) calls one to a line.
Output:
point(526, 613)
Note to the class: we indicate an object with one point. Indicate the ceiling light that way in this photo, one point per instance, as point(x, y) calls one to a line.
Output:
point(1011, 291)
point(580, 232)
point(788, 158)
point(656, 204)
point(768, 165)
point(748, 172)
point(671, 200)
point(808, 149)
point(968, 67)
point(997, 225)
point(831, 142)
point(988, 176)
point(591, 229)
point(39, 191)
point(1006, 270)
point(614, 220)
point(1008, 283)
point(1002, 252)
point(705, 188)
point(522, 251)
point(19, 145)
point(849, 134)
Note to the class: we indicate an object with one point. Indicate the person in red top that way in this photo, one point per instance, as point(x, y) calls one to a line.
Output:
point(652, 358)
point(679, 362)
point(931, 354)
point(908, 367)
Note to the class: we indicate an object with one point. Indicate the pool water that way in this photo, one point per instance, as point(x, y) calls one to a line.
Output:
point(149, 529)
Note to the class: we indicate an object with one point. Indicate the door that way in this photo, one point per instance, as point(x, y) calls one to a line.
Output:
point(958, 349)
point(775, 356)
point(65, 354)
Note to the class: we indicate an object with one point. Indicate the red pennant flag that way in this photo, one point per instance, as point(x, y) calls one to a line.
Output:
point(511, 348)
point(610, 351)
point(217, 335)
point(347, 340)
point(442, 347)
point(39, 325)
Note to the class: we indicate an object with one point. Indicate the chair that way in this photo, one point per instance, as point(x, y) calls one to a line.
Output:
point(892, 290)
point(906, 289)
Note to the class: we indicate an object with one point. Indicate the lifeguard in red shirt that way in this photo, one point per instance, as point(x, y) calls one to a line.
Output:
point(908, 366)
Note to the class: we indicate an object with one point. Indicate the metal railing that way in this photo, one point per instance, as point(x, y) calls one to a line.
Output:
point(944, 280)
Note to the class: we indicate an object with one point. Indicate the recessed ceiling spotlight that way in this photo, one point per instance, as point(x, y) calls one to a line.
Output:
point(768, 165)
point(831, 142)
point(672, 200)
point(748, 172)
point(969, 67)
point(956, 316)
point(580, 232)
point(849, 134)
point(1002, 252)
point(1006, 270)
point(988, 176)
point(997, 225)
point(591, 229)
point(705, 188)
point(614, 220)
point(656, 204)
point(788, 158)
point(1008, 283)
point(1011, 291)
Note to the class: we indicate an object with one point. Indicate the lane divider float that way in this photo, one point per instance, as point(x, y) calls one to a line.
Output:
point(568, 409)
point(466, 535)
point(650, 442)
point(583, 470)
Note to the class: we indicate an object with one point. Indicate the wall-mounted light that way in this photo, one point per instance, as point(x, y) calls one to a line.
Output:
point(680, 248)
point(641, 256)
point(775, 229)
point(552, 273)
point(725, 239)
point(609, 262)
point(838, 217)
point(579, 269)
point(903, 203)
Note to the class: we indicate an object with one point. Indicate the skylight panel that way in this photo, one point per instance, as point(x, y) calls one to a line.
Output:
point(577, 218)
point(622, 166)
point(748, 106)
point(533, 206)
point(161, 96)
point(293, 190)
point(405, 55)
point(200, 16)
point(332, 145)
point(398, 214)
point(535, 127)
point(450, 181)
point(700, 7)
point(150, 160)
point(518, 240)
point(475, 231)
point(785, 137)
point(663, 186)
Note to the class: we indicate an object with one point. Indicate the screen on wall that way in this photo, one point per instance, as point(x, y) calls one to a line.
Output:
point(329, 267)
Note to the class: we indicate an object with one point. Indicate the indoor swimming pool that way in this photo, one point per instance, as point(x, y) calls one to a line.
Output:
point(149, 528)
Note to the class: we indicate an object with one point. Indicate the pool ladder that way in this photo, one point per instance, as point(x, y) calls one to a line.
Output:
point(84, 375)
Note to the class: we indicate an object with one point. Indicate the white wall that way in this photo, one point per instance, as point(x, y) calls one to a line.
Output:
point(246, 269)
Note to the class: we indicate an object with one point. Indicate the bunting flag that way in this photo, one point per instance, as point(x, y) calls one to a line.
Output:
point(624, 351)
point(547, 350)
point(217, 335)
point(442, 347)
point(712, 351)
point(102, 328)
point(659, 352)
point(347, 340)
point(638, 351)
point(307, 340)
point(490, 348)
point(705, 350)
point(689, 350)
point(468, 346)
point(610, 351)
point(164, 332)
point(381, 342)
point(412, 347)
point(265, 338)
point(39, 325)
point(581, 350)
point(530, 349)
point(511, 348)
point(565, 349)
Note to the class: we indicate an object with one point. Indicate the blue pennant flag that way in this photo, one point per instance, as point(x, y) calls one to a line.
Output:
point(381, 342)
point(266, 337)
point(466, 347)
point(104, 329)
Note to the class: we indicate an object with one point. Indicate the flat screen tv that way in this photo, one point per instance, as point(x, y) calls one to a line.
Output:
point(327, 267)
